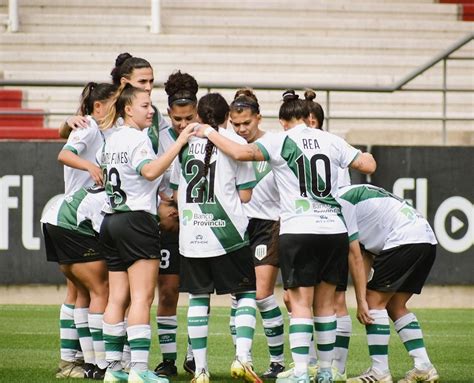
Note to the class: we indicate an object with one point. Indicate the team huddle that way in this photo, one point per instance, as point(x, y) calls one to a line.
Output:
point(196, 206)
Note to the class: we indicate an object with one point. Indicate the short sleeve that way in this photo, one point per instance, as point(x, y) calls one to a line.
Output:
point(350, 217)
point(80, 139)
point(343, 152)
point(268, 145)
point(141, 154)
point(175, 173)
point(245, 176)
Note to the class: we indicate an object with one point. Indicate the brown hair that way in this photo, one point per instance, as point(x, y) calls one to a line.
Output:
point(314, 108)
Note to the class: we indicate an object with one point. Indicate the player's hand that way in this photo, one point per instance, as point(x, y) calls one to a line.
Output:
point(199, 129)
point(187, 132)
point(77, 122)
point(363, 315)
point(96, 174)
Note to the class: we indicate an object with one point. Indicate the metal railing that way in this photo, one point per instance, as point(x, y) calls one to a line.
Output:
point(443, 56)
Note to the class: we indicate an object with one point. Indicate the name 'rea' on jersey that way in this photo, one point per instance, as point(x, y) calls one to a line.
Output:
point(212, 219)
point(306, 164)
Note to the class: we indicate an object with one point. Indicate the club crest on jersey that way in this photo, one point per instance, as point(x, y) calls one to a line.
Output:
point(187, 217)
point(301, 206)
point(261, 252)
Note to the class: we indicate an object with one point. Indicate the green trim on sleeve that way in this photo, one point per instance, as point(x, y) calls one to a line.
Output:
point(353, 237)
point(173, 186)
point(355, 157)
point(247, 185)
point(263, 150)
point(141, 165)
point(71, 149)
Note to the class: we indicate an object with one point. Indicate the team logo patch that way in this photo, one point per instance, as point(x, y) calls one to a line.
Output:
point(261, 252)
point(301, 205)
point(187, 216)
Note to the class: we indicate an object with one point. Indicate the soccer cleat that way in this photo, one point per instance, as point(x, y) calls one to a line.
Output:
point(88, 370)
point(324, 376)
point(429, 375)
point(99, 373)
point(272, 371)
point(70, 370)
point(291, 378)
point(371, 376)
point(119, 376)
point(244, 371)
point(145, 377)
point(202, 377)
point(189, 366)
point(312, 371)
point(166, 368)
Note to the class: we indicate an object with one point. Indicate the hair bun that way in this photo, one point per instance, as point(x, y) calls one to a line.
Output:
point(121, 58)
point(289, 95)
point(309, 95)
point(247, 92)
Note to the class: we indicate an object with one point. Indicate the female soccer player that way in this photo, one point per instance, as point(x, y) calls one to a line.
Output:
point(262, 211)
point(404, 249)
point(70, 229)
point(313, 237)
point(213, 238)
point(130, 231)
point(181, 89)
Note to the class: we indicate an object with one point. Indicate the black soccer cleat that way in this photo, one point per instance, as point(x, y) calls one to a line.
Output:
point(166, 368)
point(88, 370)
point(189, 366)
point(272, 371)
point(99, 373)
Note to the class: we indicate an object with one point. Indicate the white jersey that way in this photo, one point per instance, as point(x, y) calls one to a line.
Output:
point(167, 138)
point(343, 177)
point(79, 211)
point(158, 125)
point(125, 151)
point(85, 143)
point(381, 220)
point(265, 202)
point(306, 162)
point(212, 220)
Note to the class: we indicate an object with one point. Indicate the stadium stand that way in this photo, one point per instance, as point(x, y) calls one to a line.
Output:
point(270, 43)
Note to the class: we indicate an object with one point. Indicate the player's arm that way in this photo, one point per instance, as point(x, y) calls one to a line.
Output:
point(72, 123)
point(364, 163)
point(68, 158)
point(239, 152)
point(359, 278)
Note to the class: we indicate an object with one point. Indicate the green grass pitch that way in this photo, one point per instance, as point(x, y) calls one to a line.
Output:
point(29, 345)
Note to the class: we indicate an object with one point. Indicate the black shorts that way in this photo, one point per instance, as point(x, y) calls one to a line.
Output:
point(343, 275)
point(128, 237)
point(403, 268)
point(261, 235)
point(229, 273)
point(308, 259)
point(67, 246)
point(170, 257)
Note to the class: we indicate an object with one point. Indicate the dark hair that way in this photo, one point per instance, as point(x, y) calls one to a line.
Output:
point(314, 107)
point(213, 110)
point(122, 97)
point(181, 89)
point(245, 99)
point(125, 63)
point(292, 107)
point(93, 92)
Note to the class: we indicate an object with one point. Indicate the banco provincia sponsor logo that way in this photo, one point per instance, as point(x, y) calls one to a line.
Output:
point(201, 219)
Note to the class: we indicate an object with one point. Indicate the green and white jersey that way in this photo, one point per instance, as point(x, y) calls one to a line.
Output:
point(85, 143)
point(79, 211)
point(212, 219)
point(125, 151)
point(343, 177)
point(306, 163)
point(381, 220)
point(167, 138)
point(265, 202)
point(158, 125)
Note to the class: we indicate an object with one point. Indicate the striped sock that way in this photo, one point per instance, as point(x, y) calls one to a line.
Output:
point(68, 333)
point(300, 338)
point(95, 326)
point(273, 327)
point(378, 336)
point(139, 338)
point(343, 336)
point(198, 318)
point(189, 350)
point(167, 328)
point(233, 309)
point(325, 339)
point(85, 338)
point(313, 357)
point(114, 339)
point(245, 321)
point(410, 333)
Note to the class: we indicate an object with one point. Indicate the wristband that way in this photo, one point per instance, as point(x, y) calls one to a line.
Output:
point(208, 131)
